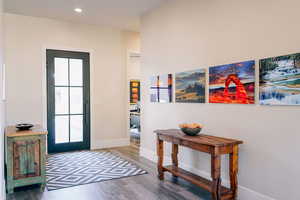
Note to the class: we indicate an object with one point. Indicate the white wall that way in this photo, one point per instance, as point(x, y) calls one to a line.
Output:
point(133, 41)
point(2, 108)
point(26, 39)
point(184, 35)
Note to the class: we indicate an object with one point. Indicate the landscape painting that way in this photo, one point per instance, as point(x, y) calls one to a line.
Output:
point(232, 83)
point(190, 86)
point(280, 80)
point(161, 88)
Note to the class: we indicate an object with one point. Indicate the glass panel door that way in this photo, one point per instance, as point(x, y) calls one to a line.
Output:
point(68, 100)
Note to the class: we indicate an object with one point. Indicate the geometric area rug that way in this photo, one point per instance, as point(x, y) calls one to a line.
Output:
point(83, 167)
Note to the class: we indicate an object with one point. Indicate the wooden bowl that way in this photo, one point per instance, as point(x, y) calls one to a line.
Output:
point(191, 131)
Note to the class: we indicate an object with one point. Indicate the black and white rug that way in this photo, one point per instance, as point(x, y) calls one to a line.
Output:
point(84, 167)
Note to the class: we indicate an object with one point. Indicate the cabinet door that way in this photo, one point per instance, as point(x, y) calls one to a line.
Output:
point(26, 158)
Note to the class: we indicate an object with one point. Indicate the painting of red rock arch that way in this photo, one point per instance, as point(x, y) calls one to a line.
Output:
point(232, 83)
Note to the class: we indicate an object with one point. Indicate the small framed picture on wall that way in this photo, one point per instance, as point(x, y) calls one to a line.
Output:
point(134, 91)
point(161, 88)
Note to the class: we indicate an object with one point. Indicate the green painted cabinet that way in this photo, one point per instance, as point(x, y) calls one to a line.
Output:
point(25, 156)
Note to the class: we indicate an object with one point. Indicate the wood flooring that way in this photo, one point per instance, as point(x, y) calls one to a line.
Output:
point(143, 187)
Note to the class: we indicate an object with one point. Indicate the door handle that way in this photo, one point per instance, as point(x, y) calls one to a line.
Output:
point(86, 113)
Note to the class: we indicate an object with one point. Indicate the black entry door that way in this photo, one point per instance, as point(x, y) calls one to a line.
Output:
point(68, 100)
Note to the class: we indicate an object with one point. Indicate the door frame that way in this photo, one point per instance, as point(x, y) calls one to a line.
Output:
point(86, 144)
point(43, 65)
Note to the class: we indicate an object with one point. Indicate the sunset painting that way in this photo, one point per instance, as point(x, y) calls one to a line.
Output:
point(161, 88)
point(190, 86)
point(280, 80)
point(232, 83)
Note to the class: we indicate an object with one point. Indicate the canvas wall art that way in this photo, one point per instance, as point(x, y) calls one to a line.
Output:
point(134, 91)
point(280, 80)
point(190, 86)
point(161, 88)
point(232, 83)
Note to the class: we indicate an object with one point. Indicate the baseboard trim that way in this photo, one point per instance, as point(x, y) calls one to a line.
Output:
point(244, 193)
point(102, 144)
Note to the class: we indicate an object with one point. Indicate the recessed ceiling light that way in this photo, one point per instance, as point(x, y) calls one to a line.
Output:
point(79, 10)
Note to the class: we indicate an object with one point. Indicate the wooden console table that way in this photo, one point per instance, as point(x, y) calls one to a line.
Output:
point(215, 146)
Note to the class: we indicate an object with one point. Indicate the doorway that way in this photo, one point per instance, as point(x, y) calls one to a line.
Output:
point(133, 70)
point(68, 100)
point(134, 111)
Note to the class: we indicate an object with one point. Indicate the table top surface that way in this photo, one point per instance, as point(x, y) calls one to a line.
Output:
point(12, 131)
point(199, 139)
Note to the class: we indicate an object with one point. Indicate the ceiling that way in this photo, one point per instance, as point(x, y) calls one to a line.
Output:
point(124, 14)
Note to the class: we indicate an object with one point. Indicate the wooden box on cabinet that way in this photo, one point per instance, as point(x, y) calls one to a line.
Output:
point(25, 157)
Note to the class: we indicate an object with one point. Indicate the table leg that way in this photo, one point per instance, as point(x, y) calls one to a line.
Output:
point(175, 154)
point(233, 170)
point(160, 154)
point(216, 176)
point(9, 166)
